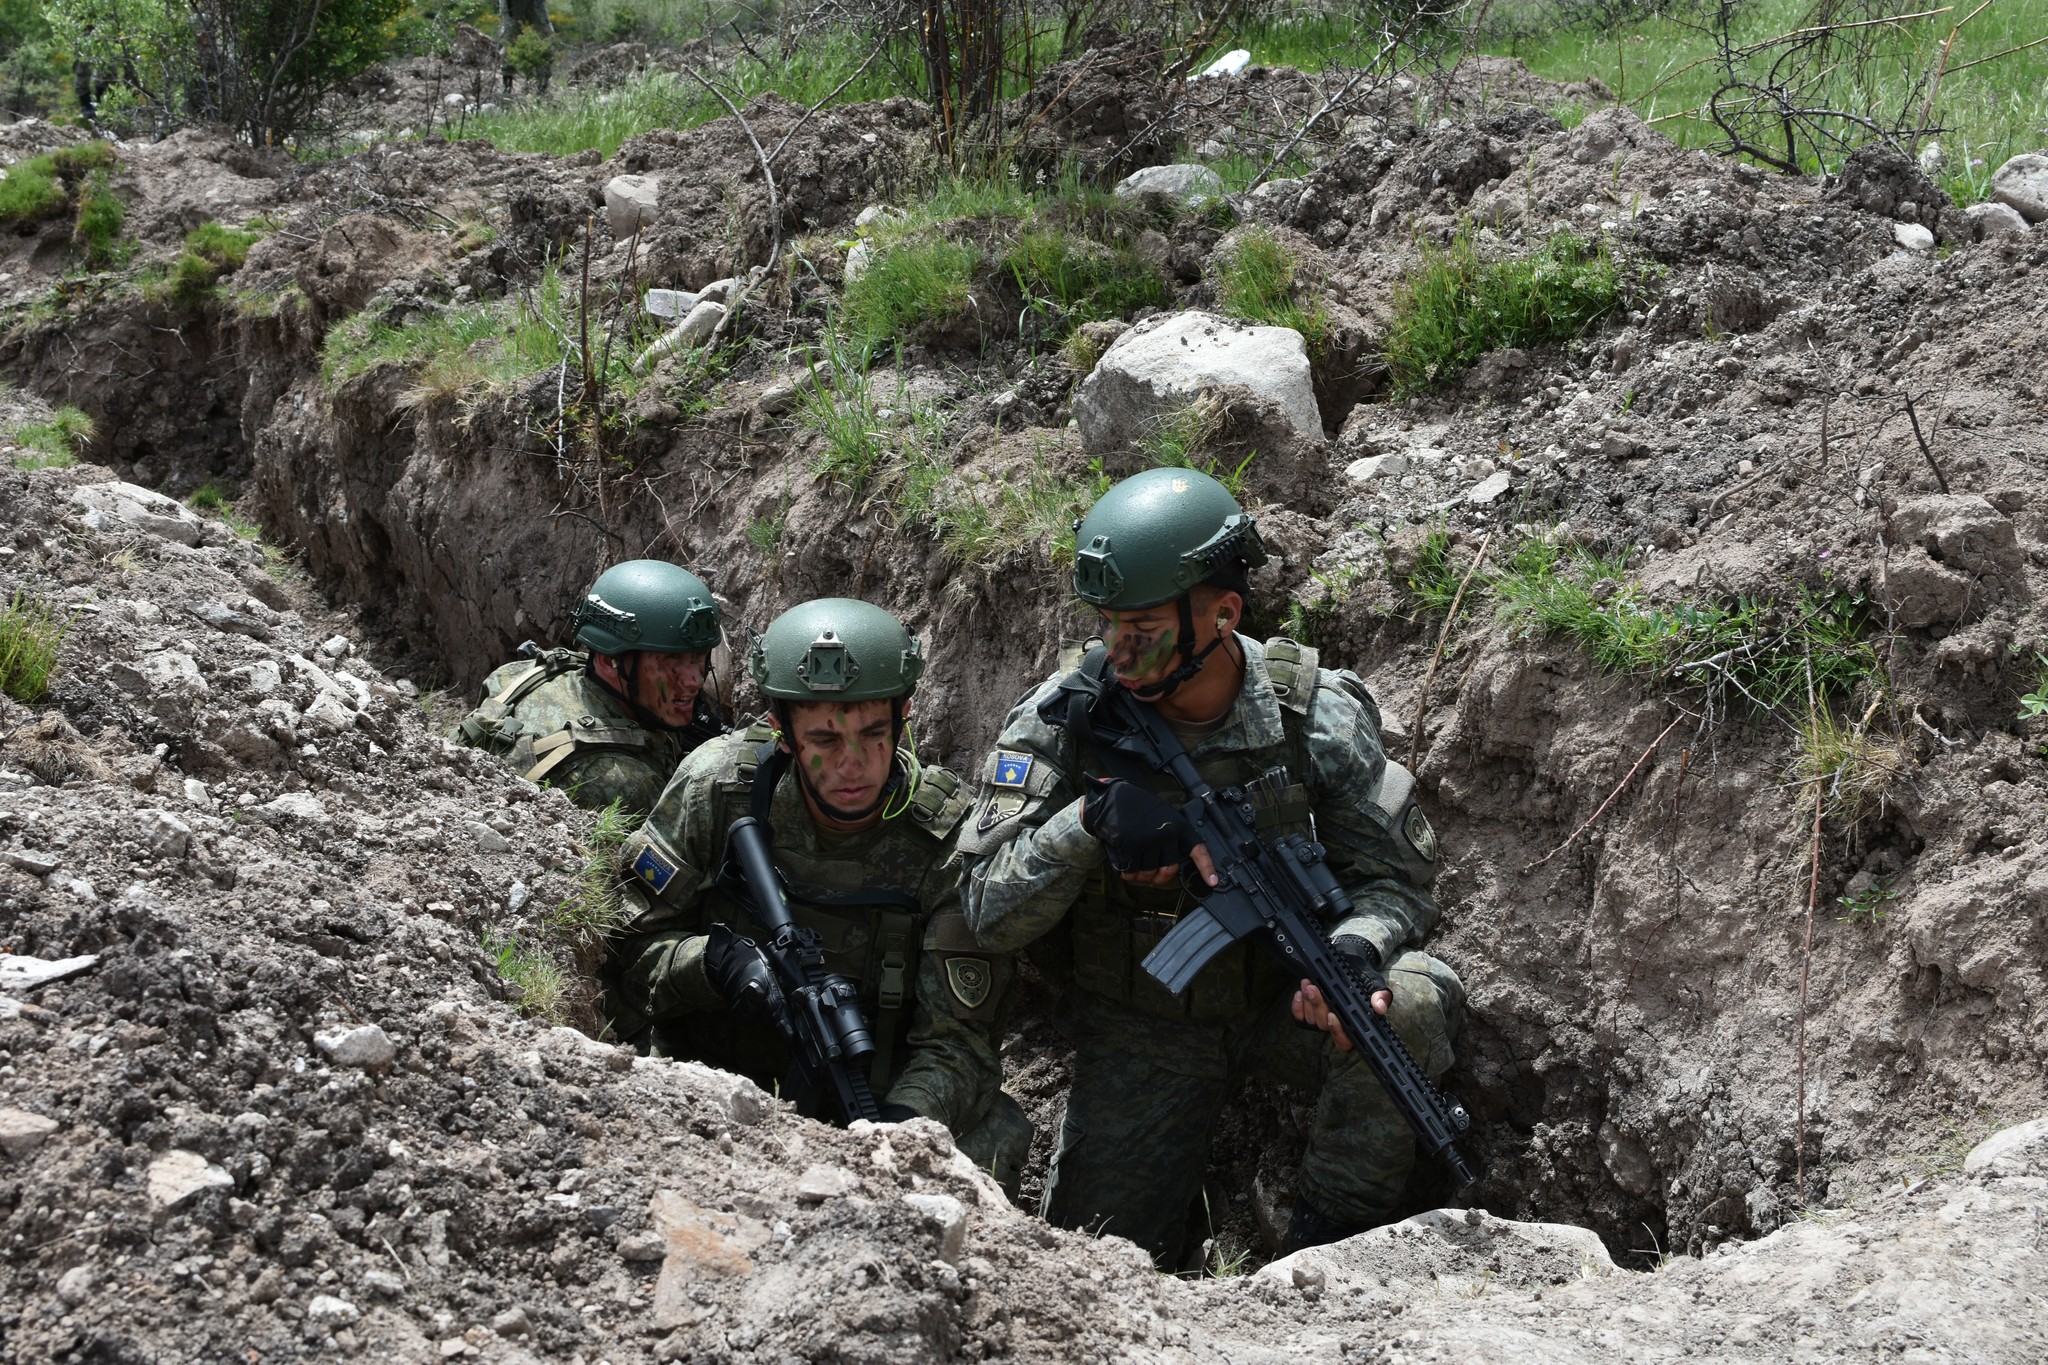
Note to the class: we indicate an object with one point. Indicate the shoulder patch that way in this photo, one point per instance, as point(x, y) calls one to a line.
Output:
point(1012, 769)
point(1420, 836)
point(653, 869)
point(970, 979)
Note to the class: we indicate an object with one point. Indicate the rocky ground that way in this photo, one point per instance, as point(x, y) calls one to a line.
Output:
point(1645, 1005)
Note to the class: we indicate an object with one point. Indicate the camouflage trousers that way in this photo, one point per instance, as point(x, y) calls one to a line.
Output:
point(1147, 1093)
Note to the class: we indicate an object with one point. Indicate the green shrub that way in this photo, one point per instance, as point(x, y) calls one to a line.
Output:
point(1259, 284)
point(530, 53)
point(55, 444)
point(29, 635)
point(42, 187)
point(1457, 306)
point(908, 287)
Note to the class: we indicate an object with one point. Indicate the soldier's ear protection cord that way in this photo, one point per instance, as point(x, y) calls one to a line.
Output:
point(1191, 662)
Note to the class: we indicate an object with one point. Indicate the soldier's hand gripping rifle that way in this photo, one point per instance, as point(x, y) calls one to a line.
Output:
point(828, 1035)
point(1285, 888)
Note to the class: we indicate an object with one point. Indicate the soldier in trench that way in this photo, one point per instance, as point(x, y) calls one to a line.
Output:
point(862, 834)
point(612, 720)
point(1091, 869)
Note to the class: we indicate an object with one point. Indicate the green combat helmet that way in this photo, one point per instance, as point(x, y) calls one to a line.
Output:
point(1152, 538)
point(647, 604)
point(835, 649)
point(1158, 534)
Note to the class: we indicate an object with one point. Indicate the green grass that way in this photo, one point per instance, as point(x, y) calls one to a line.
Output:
point(572, 121)
point(1258, 283)
point(211, 251)
point(1075, 280)
point(592, 907)
point(907, 288)
point(540, 984)
point(1311, 614)
point(101, 214)
point(1457, 305)
point(211, 496)
point(53, 444)
point(981, 525)
point(29, 635)
point(839, 405)
point(41, 187)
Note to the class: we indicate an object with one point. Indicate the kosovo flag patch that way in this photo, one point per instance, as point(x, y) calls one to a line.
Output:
point(1012, 770)
point(655, 870)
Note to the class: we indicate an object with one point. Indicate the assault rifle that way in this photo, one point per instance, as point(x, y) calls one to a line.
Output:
point(827, 1033)
point(1285, 888)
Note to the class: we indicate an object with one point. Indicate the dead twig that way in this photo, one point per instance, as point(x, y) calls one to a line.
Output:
point(1806, 952)
point(1620, 787)
point(1913, 416)
point(732, 305)
point(1436, 659)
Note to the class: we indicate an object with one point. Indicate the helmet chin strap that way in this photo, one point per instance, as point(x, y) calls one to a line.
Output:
point(1190, 664)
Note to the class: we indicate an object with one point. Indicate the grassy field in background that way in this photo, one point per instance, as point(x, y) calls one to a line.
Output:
point(1664, 69)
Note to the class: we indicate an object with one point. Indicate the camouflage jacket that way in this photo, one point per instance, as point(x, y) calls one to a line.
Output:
point(1036, 877)
point(934, 997)
point(555, 723)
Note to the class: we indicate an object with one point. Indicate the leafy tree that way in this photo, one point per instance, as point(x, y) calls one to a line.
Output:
point(259, 66)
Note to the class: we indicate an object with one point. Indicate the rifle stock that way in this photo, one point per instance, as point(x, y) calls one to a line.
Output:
point(830, 1042)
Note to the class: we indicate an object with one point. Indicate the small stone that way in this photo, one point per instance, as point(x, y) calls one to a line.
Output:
point(1991, 221)
point(777, 399)
point(329, 714)
point(2020, 184)
point(487, 839)
point(166, 835)
point(820, 1183)
point(290, 806)
point(872, 214)
point(516, 896)
point(643, 1247)
point(1912, 237)
point(22, 1132)
point(365, 1046)
point(268, 1287)
point(858, 258)
point(195, 793)
point(632, 203)
point(1310, 1279)
point(1187, 182)
point(336, 647)
point(232, 622)
point(330, 1313)
point(951, 1217)
point(177, 1175)
point(2011, 1152)
point(453, 1347)
point(29, 861)
point(512, 1322)
point(19, 972)
point(1376, 467)
point(75, 1285)
point(1488, 488)
point(669, 303)
point(383, 1284)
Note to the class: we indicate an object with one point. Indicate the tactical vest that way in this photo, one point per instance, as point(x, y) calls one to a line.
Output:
point(1115, 923)
point(870, 935)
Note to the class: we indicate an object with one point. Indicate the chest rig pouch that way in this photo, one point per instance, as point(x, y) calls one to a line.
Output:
point(1115, 923)
point(869, 935)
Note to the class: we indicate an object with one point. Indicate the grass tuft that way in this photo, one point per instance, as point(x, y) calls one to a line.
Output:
point(908, 287)
point(1457, 306)
point(538, 983)
point(29, 635)
point(211, 496)
point(592, 907)
point(1077, 280)
point(211, 251)
point(1259, 284)
point(54, 444)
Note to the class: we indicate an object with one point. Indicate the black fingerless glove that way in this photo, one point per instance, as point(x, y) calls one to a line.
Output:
point(897, 1113)
point(1364, 960)
point(1142, 832)
point(740, 973)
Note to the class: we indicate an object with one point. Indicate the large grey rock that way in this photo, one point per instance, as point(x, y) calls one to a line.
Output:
point(2019, 1151)
point(1991, 221)
point(632, 202)
point(1162, 365)
point(19, 972)
point(165, 673)
point(1187, 182)
point(1446, 1252)
point(143, 508)
point(674, 304)
point(22, 1132)
point(693, 330)
point(949, 1216)
point(1912, 237)
point(2021, 184)
point(289, 807)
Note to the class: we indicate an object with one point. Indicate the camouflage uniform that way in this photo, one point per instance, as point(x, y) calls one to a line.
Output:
point(1152, 1070)
point(555, 723)
point(936, 1014)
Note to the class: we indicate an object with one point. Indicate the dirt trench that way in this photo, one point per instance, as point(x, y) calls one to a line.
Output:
point(1633, 1046)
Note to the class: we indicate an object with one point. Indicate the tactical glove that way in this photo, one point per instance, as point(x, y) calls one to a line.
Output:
point(897, 1113)
point(739, 971)
point(1364, 960)
point(1142, 832)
